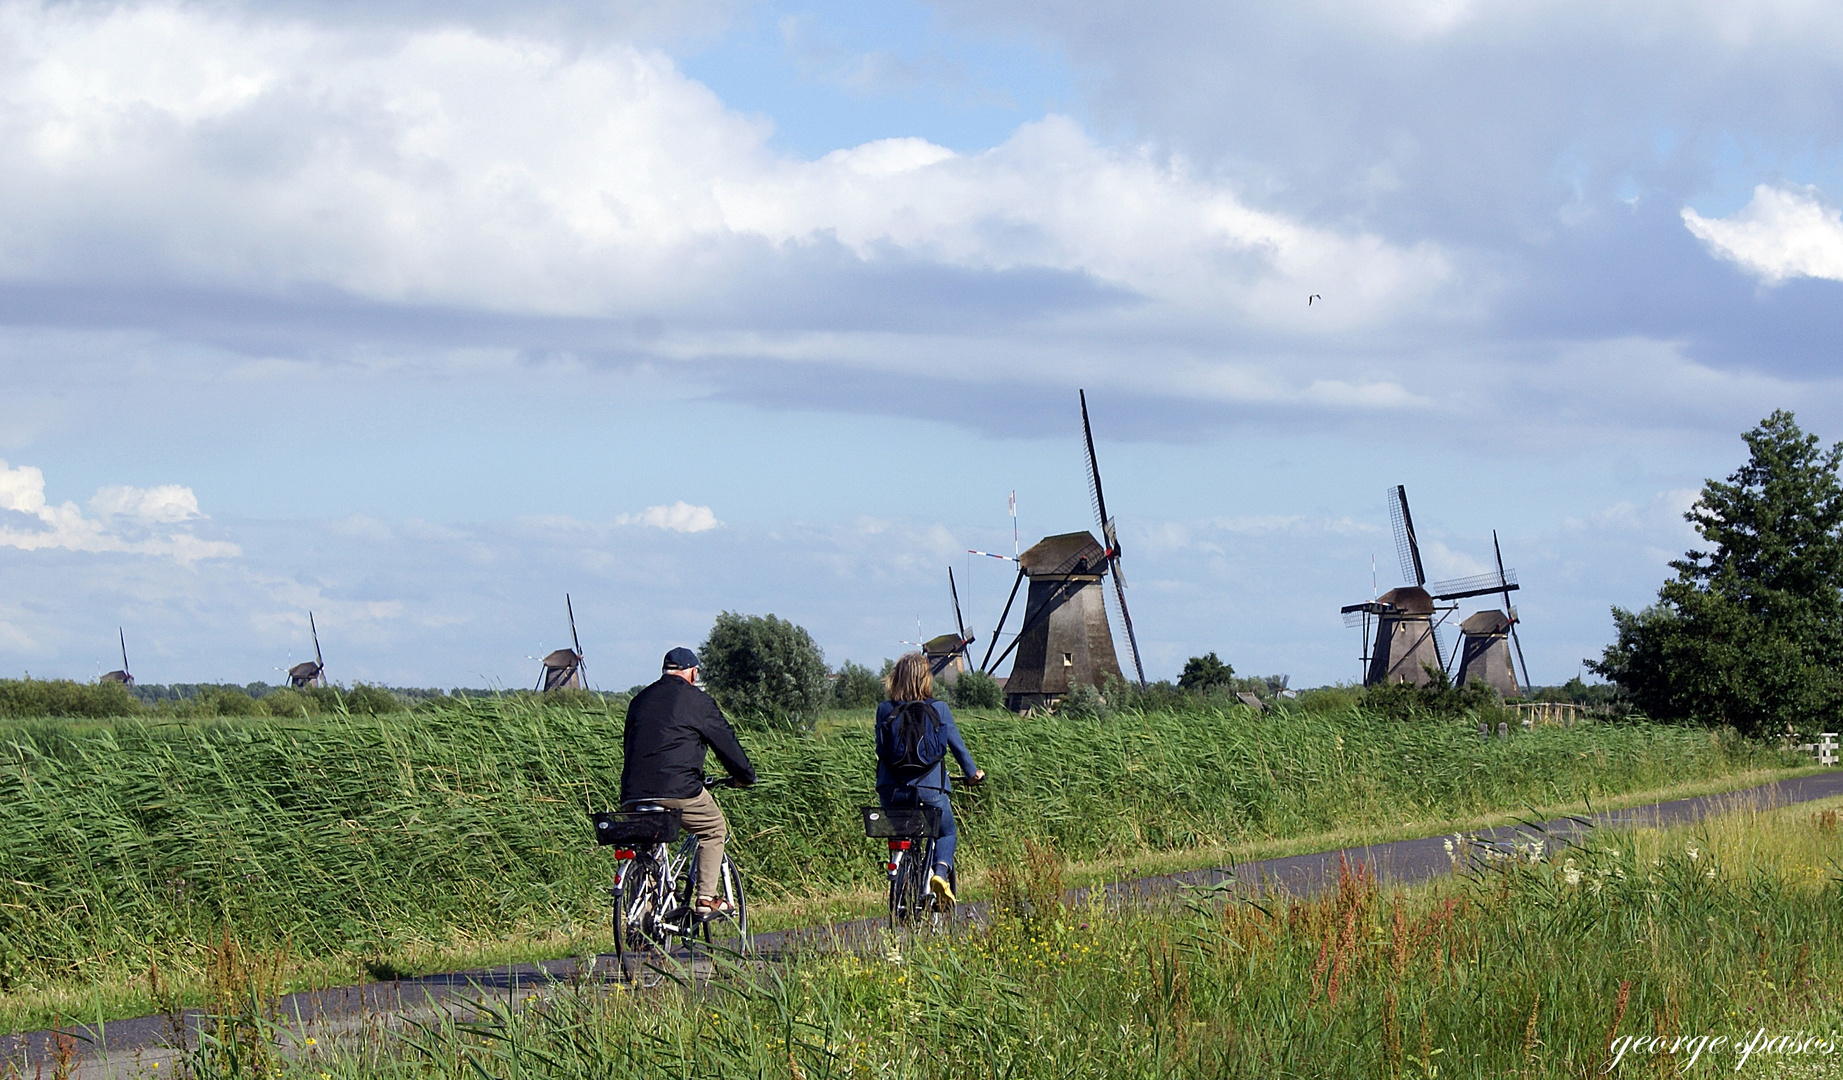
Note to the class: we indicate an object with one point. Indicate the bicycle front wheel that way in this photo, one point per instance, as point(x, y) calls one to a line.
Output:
point(729, 887)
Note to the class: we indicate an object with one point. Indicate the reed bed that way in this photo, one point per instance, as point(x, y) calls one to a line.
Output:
point(1707, 950)
point(382, 843)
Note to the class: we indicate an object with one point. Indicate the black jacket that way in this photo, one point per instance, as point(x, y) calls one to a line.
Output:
point(669, 724)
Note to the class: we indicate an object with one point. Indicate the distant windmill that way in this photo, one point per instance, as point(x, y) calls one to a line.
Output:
point(121, 676)
point(1408, 619)
point(1064, 640)
point(309, 672)
point(1484, 652)
point(563, 668)
point(947, 653)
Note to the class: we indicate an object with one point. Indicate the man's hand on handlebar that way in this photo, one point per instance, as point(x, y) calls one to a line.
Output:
point(723, 781)
point(976, 778)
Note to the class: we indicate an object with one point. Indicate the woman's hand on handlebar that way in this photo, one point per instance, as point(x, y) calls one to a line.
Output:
point(976, 778)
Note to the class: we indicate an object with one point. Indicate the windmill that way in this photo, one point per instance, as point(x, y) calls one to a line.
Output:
point(121, 676)
point(1484, 651)
point(1408, 619)
point(947, 653)
point(1064, 640)
point(309, 672)
point(563, 668)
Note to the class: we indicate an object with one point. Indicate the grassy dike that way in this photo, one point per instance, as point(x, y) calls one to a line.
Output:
point(380, 844)
point(1699, 950)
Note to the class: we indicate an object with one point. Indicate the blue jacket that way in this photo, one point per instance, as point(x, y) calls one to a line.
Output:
point(935, 778)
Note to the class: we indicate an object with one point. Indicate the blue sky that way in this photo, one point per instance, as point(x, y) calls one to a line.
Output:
point(418, 316)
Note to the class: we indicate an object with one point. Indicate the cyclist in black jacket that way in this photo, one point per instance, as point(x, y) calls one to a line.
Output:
point(670, 724)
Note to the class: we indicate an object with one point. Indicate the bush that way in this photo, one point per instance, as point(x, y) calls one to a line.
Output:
point(217, 701)
point(64, 698)
point(365, 699)
point(856, 687)
point(1438, 698)
point(1082, 702)
point(1204, 673)
point(764, 669)
point(976, 690)
point(288, 701)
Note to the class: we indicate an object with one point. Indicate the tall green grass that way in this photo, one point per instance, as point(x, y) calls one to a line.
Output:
point(1551, 968)
point(376, 838)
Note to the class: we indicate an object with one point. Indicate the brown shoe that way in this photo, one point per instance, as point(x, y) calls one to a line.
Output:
point(712, 907)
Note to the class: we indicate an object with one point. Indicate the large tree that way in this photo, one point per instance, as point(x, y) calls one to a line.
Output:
point(1750, 632)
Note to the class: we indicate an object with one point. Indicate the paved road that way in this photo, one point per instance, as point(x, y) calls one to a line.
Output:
point(1400, 862)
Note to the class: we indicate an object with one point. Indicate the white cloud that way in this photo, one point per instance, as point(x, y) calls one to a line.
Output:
point(165, 504)
point(22, 492)
point(446, 165)
point(1782, 233)
point(681, 516)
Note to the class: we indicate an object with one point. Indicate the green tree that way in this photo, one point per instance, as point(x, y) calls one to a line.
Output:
point(1750, 632)
point(764, 669)
point(1204, 673)
point(975, 689)
point(856, 687)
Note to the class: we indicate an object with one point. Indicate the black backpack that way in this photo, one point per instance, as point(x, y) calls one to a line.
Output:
point(910, 739)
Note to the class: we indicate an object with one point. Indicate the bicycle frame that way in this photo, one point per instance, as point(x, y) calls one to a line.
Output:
point(655, 891)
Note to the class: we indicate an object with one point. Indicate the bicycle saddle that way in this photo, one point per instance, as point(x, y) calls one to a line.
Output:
point(643, 808)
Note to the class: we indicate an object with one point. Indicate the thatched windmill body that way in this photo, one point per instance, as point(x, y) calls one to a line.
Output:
point(563, 667)
point(123, 677)
point(309, 672)
point(1489, 636)
point(1064, 640)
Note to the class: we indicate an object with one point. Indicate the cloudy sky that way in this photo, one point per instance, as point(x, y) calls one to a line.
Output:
point(419, 315)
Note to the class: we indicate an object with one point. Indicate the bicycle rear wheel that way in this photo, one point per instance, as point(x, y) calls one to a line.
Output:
point(909, 897)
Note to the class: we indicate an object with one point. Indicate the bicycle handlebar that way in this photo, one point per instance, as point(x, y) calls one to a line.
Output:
point(722, 781)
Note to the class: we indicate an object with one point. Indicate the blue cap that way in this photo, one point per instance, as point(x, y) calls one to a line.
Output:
point(681, 659)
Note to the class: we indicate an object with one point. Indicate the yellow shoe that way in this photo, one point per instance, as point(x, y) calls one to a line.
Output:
point(940, 888)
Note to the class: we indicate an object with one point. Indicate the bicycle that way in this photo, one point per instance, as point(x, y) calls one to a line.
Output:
point(655, 890)
point(911, 832)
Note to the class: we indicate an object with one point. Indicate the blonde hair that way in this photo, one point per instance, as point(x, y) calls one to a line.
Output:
point(910, 679)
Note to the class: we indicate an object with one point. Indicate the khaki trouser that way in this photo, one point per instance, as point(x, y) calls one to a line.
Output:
point(704, 818)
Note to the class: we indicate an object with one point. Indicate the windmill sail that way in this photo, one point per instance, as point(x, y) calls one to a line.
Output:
point(1509, 582)
point(121, 676)
point(1110, 538)
point(947, 654)
point(563, 667)
point(309, 672)
point(1407, 549)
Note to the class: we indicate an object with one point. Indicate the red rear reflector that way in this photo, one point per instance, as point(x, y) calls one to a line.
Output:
point(889, 866)
point(899, 845)
point(623, 853)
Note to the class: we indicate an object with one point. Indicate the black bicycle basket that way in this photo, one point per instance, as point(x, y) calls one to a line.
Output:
point(902, 821)
point(636, 829)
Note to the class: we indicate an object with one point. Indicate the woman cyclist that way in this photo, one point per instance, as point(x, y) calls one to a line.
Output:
point(900, 785)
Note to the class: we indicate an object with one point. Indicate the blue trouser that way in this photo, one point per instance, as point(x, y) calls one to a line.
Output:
point(927, 796)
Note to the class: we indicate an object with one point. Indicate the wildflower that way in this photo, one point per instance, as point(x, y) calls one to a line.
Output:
point(1693, 853)
point(1570, 874)
point(311, 1042)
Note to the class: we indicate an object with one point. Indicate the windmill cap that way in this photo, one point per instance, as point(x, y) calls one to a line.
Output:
point(681, 659)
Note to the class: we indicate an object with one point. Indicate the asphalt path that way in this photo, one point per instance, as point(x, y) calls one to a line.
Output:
point(142, 1039)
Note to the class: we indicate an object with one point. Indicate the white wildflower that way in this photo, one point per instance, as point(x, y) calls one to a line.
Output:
point(1571, 875)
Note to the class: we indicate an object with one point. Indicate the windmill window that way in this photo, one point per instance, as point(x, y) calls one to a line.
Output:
point(1068, 659)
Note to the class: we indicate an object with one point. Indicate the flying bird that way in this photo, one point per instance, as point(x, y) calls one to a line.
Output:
point(1309, 299)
